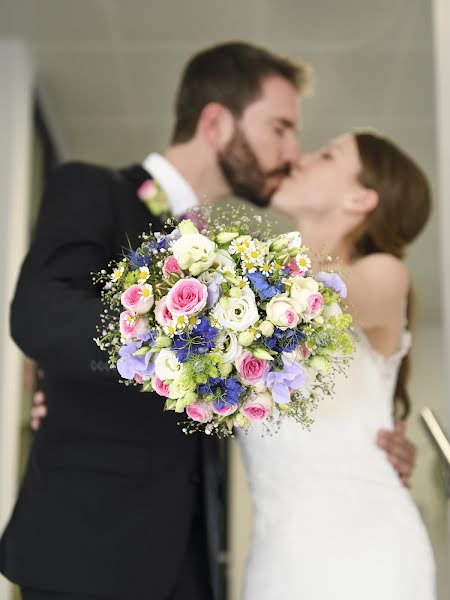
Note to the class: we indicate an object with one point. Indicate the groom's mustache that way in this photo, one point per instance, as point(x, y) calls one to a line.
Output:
point(283, 171)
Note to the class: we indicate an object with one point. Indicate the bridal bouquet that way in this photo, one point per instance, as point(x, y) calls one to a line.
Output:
point(228, 324)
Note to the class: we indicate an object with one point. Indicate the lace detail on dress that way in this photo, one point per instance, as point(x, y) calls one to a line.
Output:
point(391, 362)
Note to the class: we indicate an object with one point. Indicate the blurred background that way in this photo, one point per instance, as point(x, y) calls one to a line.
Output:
point(95, 80)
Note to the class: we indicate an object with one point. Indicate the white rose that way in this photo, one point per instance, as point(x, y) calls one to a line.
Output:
point(229, 345)
point(237, 314)
point(331, 310)
point(195, 252)
point(167, 366)
point(301, 289)
point(282, 312)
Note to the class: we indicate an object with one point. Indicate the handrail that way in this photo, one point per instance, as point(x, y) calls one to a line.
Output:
point(436, 434)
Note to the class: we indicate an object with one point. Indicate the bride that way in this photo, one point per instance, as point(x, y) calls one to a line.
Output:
point(332, 520)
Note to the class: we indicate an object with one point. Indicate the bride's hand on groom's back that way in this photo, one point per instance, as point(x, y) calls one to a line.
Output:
point(401, 451)
point(38, 410)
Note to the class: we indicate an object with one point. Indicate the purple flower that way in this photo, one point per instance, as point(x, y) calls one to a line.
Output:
point(292, 377)
point(214, 290)
point(333, 281)
point(130, 366)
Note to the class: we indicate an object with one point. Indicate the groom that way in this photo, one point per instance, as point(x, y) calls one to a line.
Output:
point(116, 501)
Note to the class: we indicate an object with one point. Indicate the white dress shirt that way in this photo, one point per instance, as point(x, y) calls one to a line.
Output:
point(180, 194)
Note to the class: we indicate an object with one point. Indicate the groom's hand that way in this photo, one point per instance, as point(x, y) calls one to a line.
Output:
point(401, 452)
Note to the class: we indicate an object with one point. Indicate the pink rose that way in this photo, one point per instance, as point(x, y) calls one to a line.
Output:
point(160, 387)
point(294, 269)
point(132, 324)
point(138, 298)
point(258, 407)
point(187, 297)
point(162, 314)
point(251, 369)
point(225, 410)
point(200, 411)
point(171, 267)
point(147, 190)
point(315, 303)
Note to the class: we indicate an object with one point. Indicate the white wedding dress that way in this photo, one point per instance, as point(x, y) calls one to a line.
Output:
point(332, 521)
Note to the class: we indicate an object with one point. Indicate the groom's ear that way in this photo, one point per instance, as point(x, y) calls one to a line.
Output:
point(216, 125)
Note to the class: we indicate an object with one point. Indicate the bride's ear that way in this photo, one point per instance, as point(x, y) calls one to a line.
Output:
point(363, 201)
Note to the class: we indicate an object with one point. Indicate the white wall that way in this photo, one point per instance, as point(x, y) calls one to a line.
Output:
point(16, 106)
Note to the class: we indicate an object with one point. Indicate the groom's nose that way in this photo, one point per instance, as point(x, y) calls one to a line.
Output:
point(291, 150)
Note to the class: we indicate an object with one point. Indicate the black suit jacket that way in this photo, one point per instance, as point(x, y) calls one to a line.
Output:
point(112, 483)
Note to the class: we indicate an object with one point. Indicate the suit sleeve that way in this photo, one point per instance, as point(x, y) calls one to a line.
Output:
point(56, 307)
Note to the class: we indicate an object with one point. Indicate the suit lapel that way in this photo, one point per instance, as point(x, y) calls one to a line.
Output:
point(136, 175)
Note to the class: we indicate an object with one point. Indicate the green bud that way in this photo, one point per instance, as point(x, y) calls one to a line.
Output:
point(267, 328)
point(241, 420)
point(284, 407)
point(225, 237)
point(187, 227)
point(246, 338)
point(235, 292)
point(196, 268)
point(230, 278)
point(180, 405)
point(278, 245)
point(163, 341)
point(261, 353)
point(190, 398)
point(283, 257)
point(170, 404)
point(147, 386)
point(225, 369)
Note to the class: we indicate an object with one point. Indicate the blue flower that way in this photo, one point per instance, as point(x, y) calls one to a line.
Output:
point(198, 341)
point(264, 288)
point(281, 383)
point(284, 340)
point(226, 391)
point(140, 257)
point(333, 281)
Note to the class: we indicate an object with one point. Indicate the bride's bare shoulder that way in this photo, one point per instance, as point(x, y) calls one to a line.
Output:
point(382, 268)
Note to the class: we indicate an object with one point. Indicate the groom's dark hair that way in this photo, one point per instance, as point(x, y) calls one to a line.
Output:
point(230, 74)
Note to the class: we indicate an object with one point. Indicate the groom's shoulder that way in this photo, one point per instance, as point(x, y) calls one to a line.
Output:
point(79, 172)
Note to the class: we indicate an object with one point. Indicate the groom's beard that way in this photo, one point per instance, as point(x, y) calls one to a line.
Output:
point(241, 169)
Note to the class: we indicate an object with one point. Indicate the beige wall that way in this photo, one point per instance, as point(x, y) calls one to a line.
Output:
point(16, 102)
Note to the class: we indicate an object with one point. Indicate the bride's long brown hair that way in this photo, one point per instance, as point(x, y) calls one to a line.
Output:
point(404, 205)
